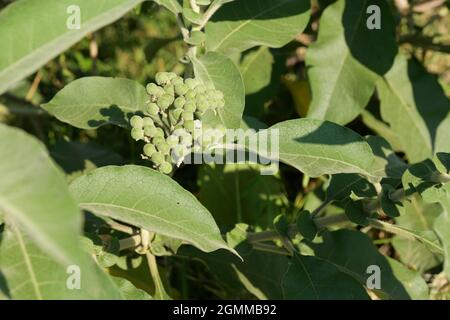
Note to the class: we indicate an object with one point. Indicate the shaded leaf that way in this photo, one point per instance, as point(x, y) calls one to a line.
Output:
point(44, 34)
point(148, 199)
point(347, 59)
point(34, 195)
point(352, 252)
point(243, 24)
point(317, 147)
point(239, 193)
point(310, 278)
point(224, 74)
point(91, 102)
point(30, 274)
point(421, 125)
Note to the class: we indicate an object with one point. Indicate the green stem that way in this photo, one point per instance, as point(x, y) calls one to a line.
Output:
point(271, 249)
point(381, 225)
point(160, 292)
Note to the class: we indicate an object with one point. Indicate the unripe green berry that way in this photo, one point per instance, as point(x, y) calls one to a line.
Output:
point(175, 114)
point(152, 109)
point(136, 122)
point(176, 81)
point(162, 78)
point(159, 132)
point(190, 106)
point(148, 121)
point(172, 75)
point(202, 105)
point(172, 141)
point(149, 149)
point(157, 158)
point(181, 89)
point(179, 102)
point(164, 148)
point(165, 101)
point(189, 125)
point(137, 133)
point(165, 168)
point(170, 90)
point(190, 95)
point(152, 89)
point(200, 89)
point(192, 83)
point(187, 115)
point(158, 140)
point(150, 131)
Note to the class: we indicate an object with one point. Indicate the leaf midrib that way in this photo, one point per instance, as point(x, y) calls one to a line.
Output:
point(242, 25)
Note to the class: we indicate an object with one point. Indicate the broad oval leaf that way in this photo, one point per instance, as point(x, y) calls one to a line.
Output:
point(91, 102)
point(243, 24)
point(220, 70)
point(317, 147)
point(348, 58)
point(148, 199)
point(34, 195)
point(311, 278)
point(352, 252)
point(420, 125)
point(44, 31)
point(28, 273)
point(256, 70)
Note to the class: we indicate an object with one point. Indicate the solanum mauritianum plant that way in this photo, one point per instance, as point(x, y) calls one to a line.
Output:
point(360, 208)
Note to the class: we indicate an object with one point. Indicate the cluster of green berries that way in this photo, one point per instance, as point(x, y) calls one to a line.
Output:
point(173, 113)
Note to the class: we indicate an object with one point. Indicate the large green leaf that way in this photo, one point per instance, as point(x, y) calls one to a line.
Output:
point(347, 59)
point(441, 196)
point(29, 273)
point(421, 125)
point(244, 24)
point(260, 273)
point(148, 199)
point(412, 281)
point(91, 102)
point(311, 278)
point(352, 252)
point(34, 195)
point(420, 217)
point(220, 70)
point(318, 147)
point(256, 69)
point(442, 227)
point(42, 26)
point(261, 71)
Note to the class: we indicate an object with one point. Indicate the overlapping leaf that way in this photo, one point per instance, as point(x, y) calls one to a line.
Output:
point(421, 125)
point(148, 199)
point(44, 32)
point(224, 74)
point(348, 58)
point(242, 24)
point(317, 147)
point(91, 102)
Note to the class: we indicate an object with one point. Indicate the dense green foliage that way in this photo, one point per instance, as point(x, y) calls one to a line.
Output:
point(96, 120)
